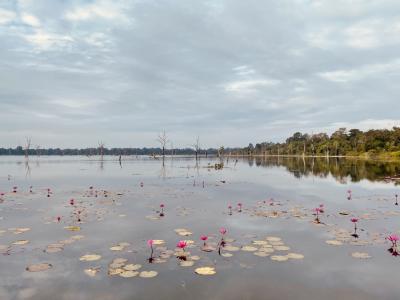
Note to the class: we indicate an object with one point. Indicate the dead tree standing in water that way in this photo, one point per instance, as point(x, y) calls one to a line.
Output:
point(27, 147)
point(101, 150)
point(163, 140)
point(196, 147)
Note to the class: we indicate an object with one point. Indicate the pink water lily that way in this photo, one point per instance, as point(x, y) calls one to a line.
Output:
point(181, 245)
point(204, 238)
point(354, 220)
point(222, 230)
point(162, 209)
point(317, 211)
point(150, 244)
point(394, 238)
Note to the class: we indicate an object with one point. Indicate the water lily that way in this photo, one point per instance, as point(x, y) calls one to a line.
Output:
point(240, 207)
point(150, 244)
point(182, 245)
point(349, 194)
point(317, 211)
point(393, 238)
point(204, 238)
point(222, 242)
point(162, 210)
point(354, 220)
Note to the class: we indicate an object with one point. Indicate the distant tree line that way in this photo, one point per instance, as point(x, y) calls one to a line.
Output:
point(105, 151)
point(353, 142)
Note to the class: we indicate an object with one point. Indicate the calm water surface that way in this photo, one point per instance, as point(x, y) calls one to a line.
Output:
point(278, 196)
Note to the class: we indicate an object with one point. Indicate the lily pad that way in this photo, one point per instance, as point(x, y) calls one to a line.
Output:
point(334, 242)
point(205, 271)
point(132, 267)
point(21, 242)
point(186, 263)
point(72, 228)
point(90, 257)
point(39, 267)
point(128, 274)
point(295, 256)
point(279, 257)
point(249, 248)
point(148, 274)
point(91, 272)
point(361, 255)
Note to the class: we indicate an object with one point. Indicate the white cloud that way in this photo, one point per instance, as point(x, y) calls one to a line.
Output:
point(30, 20)
point(243, 70)
point(43, 40)
point(251, 85)
point(367, 124)
point(99, 9)
point(362, 72)
point(6, 16)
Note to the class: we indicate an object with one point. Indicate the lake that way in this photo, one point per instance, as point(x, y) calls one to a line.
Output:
point(78, 228)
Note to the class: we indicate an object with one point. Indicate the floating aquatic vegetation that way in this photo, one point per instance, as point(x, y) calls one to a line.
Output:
point(295, 256)
point(91, 271)
point(90, 257)
point(187, 263)
point(183, 232)
point(148, 274)
point(231, 248)
point(249, 248)
point(281, 248)
point(261, 254)
point(117, 248)
point(227, 254)
point(273, 239)
point(260, 243)
point(73, 228)
point(362, 255)
point(39, 267)
point(21, 230)
point(21, 242)
point(205, 271)
point(132, 267)
point(128, 274)
point(279, 258)
point(334, 242)
point(53, 248)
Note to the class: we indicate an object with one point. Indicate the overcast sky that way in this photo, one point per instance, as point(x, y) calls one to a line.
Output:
point(73, 73)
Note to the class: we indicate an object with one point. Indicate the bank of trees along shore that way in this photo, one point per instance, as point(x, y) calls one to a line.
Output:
point(382, 143)
point(342, 142)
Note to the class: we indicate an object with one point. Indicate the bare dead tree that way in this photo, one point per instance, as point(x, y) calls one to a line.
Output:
point(101, 150)
point(172, 149)
point(37, 150)
point(163, 140)
point(196, 147)
point(27, 146)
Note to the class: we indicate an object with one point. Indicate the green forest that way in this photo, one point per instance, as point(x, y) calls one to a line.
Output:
point(376, 143)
